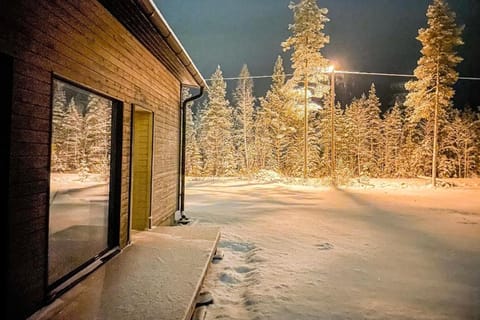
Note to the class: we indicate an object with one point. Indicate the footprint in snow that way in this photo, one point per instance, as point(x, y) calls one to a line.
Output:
point(237, 246)
point(324, 246)
point(228, 278)
point(243, 269)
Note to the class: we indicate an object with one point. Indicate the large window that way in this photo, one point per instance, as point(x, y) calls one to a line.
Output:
point(79, 180)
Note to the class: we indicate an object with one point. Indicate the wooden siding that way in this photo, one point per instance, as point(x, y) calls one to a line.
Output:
point(82, 42)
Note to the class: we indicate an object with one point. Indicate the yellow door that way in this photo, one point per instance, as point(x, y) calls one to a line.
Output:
point(141, 168)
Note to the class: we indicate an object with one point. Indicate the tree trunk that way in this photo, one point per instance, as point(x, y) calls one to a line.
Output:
point(435, 127)
point(277, 149)
point(247, 164)
point(305, 136)
point(332, 111)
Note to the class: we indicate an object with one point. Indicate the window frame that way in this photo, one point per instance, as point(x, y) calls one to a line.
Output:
point(62, 284)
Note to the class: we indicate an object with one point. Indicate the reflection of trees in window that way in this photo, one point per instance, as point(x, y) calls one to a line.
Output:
point(81, 131)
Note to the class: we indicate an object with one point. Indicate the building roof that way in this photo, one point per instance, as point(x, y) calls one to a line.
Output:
point(143, 19)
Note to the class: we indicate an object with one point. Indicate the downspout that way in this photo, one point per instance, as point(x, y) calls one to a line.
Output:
point(182, 152)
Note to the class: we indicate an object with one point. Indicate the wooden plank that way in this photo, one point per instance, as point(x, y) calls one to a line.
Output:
point(81, 41)
point(122, 58)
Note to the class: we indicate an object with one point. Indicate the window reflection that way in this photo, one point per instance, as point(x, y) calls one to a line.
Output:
point(79, 179)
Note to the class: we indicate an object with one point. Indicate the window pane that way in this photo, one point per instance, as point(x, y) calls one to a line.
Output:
point(79, 179)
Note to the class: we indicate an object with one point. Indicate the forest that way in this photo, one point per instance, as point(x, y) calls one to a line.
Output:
point(81, 133)
point(297, 130)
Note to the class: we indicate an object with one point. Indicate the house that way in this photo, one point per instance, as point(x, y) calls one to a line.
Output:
point(91, 137)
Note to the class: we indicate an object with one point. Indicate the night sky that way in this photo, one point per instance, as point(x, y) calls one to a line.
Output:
point(367, 35)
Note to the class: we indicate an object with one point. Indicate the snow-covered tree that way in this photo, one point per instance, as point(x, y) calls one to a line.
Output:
point(74, 126)
point(461, 143)
point(392, 140)
point(409, 157)
point(243, 119)
point(357, 128)
point(431, 92)
point(216, 130)
point(374, 131)
point(97, 147)
point(272, 130)
point(193, 157)
point(307, 61)
point(342, 148)
point(325, 139)
point(59, 134)
point(292, 141)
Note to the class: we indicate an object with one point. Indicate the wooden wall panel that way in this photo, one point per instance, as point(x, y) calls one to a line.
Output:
point(82, 42)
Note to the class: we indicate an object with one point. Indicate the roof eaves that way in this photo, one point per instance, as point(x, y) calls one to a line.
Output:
point(151, 11)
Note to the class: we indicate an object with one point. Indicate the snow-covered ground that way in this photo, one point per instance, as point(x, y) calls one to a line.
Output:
point(389, 249)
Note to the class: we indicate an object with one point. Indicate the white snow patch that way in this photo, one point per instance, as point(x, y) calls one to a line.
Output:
point(392, 249)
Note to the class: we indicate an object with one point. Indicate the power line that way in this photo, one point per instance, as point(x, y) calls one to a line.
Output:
point(377, 74)
point(381, 74)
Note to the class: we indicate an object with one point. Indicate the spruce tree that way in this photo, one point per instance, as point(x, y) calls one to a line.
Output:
point(325, 138)
point(411, 150)
point(374, 133)
point(59, 133)
point(97, 148)
point(270, 122)
point(307, 61)
point(430, 94)
point(392, 140)
point(74, 124)
point(216, 130)
point(243, 118)
point(193, 157)
point(356, 125)
point(342, 147)
point(461, 142)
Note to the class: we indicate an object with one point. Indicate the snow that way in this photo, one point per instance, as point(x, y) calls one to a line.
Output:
point(156, 277)
point(386, 249)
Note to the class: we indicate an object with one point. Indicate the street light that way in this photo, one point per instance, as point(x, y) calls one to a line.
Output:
point(331, 70)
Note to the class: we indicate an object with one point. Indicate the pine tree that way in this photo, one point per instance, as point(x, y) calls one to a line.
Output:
point(216, 130)
point(431, 92)
point(308, 63)
point(243, 118)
